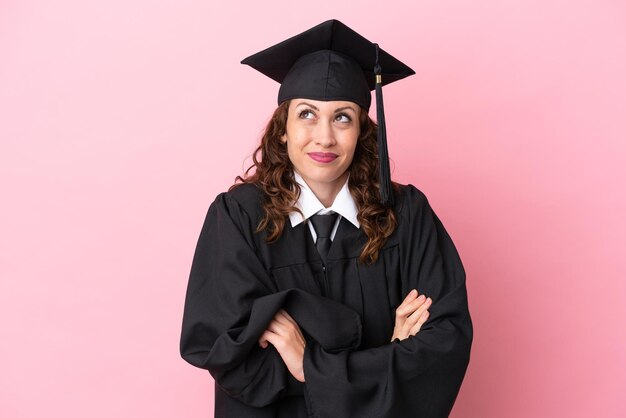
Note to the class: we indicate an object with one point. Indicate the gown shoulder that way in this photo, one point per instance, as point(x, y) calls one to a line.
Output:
point(408, 197)
point(246, 196)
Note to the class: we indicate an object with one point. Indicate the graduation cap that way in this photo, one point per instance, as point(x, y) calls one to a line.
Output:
point(330, 61)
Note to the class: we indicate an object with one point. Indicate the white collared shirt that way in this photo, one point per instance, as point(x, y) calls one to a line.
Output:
point(310, 205)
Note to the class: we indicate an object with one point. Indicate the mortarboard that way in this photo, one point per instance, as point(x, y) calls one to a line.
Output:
point(330, 61)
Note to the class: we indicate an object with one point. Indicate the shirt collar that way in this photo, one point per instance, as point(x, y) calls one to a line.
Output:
point(309, 204)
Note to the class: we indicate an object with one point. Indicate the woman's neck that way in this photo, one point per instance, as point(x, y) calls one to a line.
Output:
point(327, 192)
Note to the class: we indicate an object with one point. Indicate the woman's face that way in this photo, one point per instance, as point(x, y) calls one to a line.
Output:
point(321, 138)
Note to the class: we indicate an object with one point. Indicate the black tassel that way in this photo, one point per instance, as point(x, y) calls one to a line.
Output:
point(386, 191)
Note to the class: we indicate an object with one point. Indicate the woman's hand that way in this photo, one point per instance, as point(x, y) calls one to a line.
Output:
point(411, 315)
point(285, 335)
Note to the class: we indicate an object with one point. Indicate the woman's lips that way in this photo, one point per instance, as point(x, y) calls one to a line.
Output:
point(323, 157)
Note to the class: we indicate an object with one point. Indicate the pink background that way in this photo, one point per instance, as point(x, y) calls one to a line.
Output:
point(121, 120)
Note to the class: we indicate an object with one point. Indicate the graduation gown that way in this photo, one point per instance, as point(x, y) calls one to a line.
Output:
point(346, 312)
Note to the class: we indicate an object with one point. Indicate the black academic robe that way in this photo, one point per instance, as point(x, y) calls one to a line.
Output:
point(347, 314)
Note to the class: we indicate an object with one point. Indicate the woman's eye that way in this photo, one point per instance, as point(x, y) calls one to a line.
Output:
point(343, 118)
point(306, 114)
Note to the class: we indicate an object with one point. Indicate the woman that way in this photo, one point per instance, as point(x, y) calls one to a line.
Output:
point(319, 287)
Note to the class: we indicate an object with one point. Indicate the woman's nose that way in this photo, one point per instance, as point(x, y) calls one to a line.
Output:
point(324, 134)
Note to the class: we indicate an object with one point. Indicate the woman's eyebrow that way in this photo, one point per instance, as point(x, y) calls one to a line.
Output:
point(336, 110)
point(344, 108)
point(307, 104)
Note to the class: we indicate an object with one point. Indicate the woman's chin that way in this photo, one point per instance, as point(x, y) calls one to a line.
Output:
point(326, 173)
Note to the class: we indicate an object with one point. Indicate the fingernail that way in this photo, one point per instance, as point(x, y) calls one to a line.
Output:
point(413, 292)
point(421, 298)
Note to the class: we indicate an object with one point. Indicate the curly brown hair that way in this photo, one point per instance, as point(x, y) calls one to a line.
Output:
point(275, 177)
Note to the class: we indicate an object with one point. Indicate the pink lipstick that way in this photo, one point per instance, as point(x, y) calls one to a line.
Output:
point(323, 157)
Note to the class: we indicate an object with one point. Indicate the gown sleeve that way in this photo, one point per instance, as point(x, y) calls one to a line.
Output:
point(230, 299)
point(416, 377)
